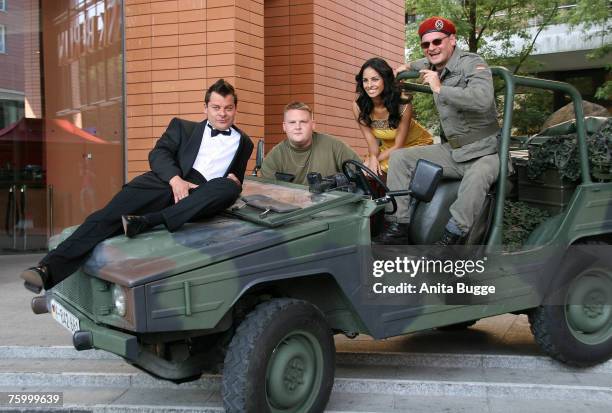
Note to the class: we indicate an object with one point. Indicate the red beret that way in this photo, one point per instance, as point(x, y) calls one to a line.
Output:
point(436, 24)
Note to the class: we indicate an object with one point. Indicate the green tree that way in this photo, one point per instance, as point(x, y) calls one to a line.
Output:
point(596, 15)
point(488, 27)
point(493, 28)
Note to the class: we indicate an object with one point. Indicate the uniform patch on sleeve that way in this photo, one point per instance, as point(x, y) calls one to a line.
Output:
point(481, 67)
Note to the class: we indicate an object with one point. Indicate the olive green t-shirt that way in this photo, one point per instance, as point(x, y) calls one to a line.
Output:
point(325, 155)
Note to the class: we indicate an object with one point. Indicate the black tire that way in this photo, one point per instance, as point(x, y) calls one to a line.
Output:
point(281, 359)
point(575, 324)
point(458, 326)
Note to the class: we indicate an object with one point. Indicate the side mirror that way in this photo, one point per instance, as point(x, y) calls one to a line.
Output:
point(425, 180)
point(258, 157)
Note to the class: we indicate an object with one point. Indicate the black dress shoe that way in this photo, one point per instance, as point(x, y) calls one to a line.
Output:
point(393, 234)
point(35, 279)
point(134, 225)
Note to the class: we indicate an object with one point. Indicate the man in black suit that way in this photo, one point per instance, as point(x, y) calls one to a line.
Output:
point(196, 171)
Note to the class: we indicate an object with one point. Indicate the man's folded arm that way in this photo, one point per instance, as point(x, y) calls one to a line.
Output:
point(163, 157)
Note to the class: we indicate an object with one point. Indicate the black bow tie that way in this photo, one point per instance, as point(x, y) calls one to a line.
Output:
point(214, 132)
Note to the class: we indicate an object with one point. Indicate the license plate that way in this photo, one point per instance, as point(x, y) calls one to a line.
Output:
point(64, 317)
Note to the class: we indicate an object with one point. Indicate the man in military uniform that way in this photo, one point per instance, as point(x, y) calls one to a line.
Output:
point(304, 150)
point(462, 87)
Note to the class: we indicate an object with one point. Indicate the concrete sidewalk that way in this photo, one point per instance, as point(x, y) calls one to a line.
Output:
point(21, 327)
point(505, 334)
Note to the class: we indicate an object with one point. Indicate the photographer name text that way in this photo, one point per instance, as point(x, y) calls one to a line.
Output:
point(422, 266)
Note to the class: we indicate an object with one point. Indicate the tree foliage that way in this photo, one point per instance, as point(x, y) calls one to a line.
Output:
point(495, 28)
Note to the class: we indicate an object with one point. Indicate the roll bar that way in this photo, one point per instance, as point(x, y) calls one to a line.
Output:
point(511, 81)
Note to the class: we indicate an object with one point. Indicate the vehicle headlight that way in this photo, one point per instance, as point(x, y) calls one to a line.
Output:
point(119, 300)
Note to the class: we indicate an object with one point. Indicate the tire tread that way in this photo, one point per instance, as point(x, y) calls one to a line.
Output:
point(543, 338)
point(542, 327)
point(237, 364)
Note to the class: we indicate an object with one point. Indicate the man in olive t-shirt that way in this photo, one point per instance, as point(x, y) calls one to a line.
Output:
point(304, 150)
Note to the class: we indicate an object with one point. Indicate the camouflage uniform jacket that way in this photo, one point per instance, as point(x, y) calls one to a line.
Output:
point(466, 104)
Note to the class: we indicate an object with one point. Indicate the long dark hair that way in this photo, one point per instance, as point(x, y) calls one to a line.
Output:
point(390, 95)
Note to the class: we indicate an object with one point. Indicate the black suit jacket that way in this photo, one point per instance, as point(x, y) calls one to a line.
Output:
point(176, 151)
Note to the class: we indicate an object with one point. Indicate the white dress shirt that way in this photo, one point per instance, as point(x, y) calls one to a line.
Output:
point(216, 153)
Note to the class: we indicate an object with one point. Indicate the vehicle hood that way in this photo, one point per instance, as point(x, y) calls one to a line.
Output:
point(242, 229)
point(158, 254)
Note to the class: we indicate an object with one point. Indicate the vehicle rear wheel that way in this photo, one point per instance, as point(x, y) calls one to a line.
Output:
point(577, 327)
point(281, 359)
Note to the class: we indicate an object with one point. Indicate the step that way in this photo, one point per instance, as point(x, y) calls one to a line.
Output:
point(113, 400)
point(393, 380)
point(447, 360)
point(404, 359)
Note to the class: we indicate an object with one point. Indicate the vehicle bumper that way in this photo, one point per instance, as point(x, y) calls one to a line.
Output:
point(96, 336)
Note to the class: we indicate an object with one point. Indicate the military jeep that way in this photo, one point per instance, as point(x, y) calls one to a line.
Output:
point(258, 292)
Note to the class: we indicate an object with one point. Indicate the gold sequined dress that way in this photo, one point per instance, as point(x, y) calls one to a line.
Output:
point(417, 135)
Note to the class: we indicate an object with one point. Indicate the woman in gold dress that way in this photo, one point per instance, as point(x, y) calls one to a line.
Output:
point(384, 119)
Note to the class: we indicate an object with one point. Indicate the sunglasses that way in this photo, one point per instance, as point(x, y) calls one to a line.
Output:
point(435, 42)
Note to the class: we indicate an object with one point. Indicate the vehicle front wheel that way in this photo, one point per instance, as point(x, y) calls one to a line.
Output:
point(281, 359)
point(576, 327)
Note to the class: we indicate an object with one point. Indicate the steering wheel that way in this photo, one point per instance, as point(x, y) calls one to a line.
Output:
point(359, 178)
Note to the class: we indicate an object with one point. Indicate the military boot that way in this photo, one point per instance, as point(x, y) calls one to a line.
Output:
point(449, 238)
point(393, 234)
point(447, 247)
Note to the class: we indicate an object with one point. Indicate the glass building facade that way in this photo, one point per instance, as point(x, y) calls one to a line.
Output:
point(88, 86)
point(61, 115)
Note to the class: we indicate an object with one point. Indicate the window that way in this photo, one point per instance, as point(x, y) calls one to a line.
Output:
point(2, 39)
point(2, 5)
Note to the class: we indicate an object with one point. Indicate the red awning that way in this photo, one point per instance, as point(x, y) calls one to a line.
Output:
point(47, 130)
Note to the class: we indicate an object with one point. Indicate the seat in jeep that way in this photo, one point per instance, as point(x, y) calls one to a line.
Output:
point(429, 219)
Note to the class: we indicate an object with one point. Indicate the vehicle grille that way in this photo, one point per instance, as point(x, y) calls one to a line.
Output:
point(77, 290)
